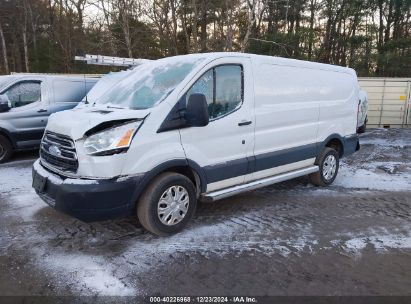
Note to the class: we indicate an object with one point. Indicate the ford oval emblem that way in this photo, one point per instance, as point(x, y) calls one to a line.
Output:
point(54, 150)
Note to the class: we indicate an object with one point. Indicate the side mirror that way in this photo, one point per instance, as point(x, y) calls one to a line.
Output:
point(4, 104)
point(196, 113)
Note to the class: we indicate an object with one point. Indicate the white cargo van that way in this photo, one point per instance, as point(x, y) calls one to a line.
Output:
point(200, 126)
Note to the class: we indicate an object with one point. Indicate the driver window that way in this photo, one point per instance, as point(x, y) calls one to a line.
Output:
point(204, 85)
point(24, 93)
point(222, 87)
point(228, 91)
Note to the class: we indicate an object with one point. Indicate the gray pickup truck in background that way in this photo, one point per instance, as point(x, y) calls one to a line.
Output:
point(26, 102)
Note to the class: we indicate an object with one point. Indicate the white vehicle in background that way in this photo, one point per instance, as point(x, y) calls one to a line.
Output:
point(362, 111)
point(105, 83)
point(199, 126)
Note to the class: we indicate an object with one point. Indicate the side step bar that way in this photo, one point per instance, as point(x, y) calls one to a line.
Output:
point(220, 194)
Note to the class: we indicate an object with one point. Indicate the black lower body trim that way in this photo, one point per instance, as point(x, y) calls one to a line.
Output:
point(27, 136)
point(265, 161)
point(227, 170)
point(243, 166)
point(284, 157)
point(87, 200)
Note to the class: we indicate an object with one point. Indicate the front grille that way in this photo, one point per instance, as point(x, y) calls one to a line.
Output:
point(59, 151)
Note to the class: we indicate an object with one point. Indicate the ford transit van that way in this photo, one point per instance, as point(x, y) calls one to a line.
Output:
point(197, 127)
point(26, 102)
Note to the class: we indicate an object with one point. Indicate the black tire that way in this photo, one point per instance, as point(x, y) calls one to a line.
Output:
point(147, 207)
point(6, 149)
point(320, 178)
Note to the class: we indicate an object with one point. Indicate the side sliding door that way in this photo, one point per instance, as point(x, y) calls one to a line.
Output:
point(287, 115)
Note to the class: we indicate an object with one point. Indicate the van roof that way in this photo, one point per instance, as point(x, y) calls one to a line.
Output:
point(275, 60)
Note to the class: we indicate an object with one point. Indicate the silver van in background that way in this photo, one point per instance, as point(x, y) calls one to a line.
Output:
point(26, 102)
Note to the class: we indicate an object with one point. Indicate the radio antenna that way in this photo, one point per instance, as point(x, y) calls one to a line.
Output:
point(85, 89)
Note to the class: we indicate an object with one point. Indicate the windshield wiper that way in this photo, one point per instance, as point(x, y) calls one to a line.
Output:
point(138, 108)
point(113, 107)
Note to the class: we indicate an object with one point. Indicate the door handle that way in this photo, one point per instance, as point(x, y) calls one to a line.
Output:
point(41, 111)
point(245, 123)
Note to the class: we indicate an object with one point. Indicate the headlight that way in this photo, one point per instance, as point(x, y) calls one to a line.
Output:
point(111, 140)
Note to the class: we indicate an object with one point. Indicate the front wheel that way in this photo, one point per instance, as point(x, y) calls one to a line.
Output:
point(168, 204)
point(328, 163)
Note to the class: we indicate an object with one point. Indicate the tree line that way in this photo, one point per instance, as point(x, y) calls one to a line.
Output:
point(371, 36)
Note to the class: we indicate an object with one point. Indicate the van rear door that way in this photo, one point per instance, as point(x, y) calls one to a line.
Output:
point(223, 147)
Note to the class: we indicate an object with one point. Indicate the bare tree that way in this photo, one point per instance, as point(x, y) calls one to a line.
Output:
point(24, 34)
point(195, 24)
point(4, 48)
point(251, 20)
point(125, 10)
point(174, 6)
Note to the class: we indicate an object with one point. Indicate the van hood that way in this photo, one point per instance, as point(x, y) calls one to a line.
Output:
point(76, 122)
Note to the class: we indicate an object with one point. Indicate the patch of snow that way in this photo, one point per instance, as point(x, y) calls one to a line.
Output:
point(321, 191)
point(380, 242)
point(25, 205)
point(94, 275)
point(368, 179)
point(355, 245)
point(383, 242)
point(388, 167)
point(225, 238)
point(71, 181)
point(400, 143)
point(15, 179)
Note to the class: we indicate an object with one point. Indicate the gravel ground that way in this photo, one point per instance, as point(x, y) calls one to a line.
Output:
point(353, 238)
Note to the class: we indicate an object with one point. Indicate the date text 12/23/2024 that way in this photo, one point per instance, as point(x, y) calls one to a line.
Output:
point(203, 299)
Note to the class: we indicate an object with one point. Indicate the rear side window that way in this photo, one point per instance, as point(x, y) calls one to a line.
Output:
point(69, 91)
point(23, 93)
point(223, 88)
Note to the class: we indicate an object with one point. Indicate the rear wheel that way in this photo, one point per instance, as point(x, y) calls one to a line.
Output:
point(168, 204)
point(6, 149)
point(328, 163)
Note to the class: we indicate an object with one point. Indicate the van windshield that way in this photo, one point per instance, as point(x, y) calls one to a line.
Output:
point(149, 83)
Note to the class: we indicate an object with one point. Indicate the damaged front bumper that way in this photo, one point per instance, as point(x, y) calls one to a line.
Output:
point(86, 199)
